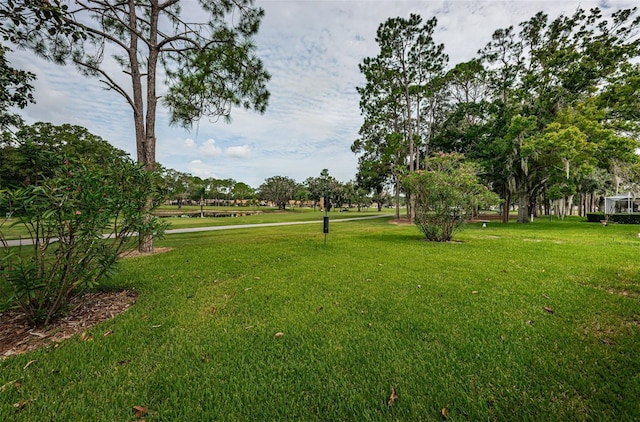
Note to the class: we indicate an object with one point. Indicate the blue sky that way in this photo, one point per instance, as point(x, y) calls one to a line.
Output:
point(312, 49)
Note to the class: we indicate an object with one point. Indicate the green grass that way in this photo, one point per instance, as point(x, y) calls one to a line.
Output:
point(305, 214)
point(11, 230)
point(460, 326)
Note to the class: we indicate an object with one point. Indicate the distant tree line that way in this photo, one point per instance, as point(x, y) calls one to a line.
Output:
point(281, 191)
point(31, 153)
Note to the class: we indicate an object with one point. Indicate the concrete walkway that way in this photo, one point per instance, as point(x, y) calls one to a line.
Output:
point(28, 242)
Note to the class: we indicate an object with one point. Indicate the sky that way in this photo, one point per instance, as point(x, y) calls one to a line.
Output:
point(312, 49)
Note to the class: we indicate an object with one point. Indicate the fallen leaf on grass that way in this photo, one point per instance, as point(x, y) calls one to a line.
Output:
point(7, 385)
point(444, 413)
point(279, 334)
point(29, 364)
point(140, 411)
point(393, 397)
point(20, 404)
point(548, 309)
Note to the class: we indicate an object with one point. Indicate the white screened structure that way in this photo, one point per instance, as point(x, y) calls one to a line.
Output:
point(623, 203)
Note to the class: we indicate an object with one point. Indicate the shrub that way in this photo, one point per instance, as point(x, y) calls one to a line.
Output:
point(445, 194)
point(625, 218)
point(595, 217)
point(79, 221)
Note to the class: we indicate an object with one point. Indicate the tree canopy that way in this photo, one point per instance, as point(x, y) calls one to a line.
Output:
point(546, 108)
point(392, 102)
point(279, 190)
point(32, 153)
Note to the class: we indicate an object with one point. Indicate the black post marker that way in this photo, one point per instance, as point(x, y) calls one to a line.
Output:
point(325, 219)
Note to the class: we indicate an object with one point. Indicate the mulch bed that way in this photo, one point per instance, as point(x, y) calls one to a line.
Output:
point(16, 336)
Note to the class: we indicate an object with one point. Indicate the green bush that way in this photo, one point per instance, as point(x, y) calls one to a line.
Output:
point(445, 194)
point(595, 217)
point(625, 218)
point(79, 221)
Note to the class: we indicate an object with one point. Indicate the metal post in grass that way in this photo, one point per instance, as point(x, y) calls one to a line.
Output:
point(325, 220)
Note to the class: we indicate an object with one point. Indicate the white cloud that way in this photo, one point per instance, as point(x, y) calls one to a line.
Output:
point(243, 151)
point(200, 169)
point(209, 148)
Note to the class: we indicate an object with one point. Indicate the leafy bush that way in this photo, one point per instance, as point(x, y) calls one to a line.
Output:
point(445, 194)
point(79, 221)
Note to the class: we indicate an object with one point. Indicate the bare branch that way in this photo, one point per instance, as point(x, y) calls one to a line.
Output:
point(109, 82)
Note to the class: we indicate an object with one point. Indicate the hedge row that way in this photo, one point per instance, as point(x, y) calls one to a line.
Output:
point(596, 217)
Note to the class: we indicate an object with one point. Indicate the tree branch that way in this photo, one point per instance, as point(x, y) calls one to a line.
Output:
point(109, 82)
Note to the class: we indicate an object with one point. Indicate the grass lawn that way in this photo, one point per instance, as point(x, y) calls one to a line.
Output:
point(459, 326)
point(273, 216)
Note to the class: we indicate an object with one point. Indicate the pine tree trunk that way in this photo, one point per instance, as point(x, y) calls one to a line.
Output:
point(145, 242)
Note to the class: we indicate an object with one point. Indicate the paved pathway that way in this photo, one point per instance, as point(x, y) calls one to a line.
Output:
point(28, 242)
